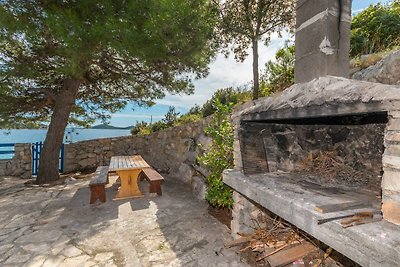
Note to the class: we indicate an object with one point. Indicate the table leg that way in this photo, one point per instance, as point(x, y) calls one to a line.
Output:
point(129, 184)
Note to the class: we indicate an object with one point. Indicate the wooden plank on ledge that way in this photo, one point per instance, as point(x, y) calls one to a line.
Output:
point(289, 255)
point(341, 206)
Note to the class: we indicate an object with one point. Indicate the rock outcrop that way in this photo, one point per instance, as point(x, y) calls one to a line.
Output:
point(386, 71)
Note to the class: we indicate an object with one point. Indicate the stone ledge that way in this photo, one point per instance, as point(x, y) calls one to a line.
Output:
point(374, 244)
point(326, 96)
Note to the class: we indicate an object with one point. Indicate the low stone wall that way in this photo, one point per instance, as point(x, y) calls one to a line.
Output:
point(172, 151)
point(20, 165)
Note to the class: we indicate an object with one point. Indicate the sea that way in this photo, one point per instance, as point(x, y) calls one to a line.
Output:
point(72, 135)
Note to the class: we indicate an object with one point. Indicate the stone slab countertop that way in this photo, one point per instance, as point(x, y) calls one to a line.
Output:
point(325, 96)
point(374, 244)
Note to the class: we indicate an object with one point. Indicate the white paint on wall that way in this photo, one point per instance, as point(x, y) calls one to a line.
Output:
point(312, 20)
point(325, 47)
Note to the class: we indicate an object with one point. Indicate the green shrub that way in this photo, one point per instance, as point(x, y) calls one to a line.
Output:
point(144, 131)
point(187, 118)
point(279, 74)
point(219, 156)
point(170, 117)
point(141, 128)
point(225, 96)
point(158, 126)
point(375, 29)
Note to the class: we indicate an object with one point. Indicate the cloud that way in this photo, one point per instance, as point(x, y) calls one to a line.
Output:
point(225, 72)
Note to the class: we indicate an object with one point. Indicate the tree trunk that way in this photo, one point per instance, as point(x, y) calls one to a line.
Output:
point(256, 80)
point(49, 156)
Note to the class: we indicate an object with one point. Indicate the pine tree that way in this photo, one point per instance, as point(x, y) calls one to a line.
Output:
point(243, 23)
point(75, 61)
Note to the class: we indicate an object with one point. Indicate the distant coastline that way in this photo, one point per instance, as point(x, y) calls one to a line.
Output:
point(110, 127)
point(71, 135)
point(96, 127)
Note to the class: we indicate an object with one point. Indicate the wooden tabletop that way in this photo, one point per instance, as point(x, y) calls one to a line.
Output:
point(118, 163)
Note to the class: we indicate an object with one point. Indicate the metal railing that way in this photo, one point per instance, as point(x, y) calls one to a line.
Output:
point(36, 150)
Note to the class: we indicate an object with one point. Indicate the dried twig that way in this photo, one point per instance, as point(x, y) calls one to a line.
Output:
point(272, 253)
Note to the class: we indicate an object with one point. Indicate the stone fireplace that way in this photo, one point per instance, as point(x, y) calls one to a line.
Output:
point(330, 140)
point(325, 141)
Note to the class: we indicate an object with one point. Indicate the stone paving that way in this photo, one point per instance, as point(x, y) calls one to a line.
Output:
point(56, 226)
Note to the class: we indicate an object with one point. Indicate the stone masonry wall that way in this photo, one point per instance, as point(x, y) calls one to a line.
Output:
point(173, 152)
point(20, 165)
point(391, 168)
point(247, 216)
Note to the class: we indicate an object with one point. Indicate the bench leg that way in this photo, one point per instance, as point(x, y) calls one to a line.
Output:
point(141, 176)
point(97, 192)
point(155, 187)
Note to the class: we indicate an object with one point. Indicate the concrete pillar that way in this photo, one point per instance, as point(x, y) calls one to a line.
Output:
point(322, 39)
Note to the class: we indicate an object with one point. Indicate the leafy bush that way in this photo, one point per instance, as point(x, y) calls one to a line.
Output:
point(158, 126)
point(187, 118)
point(141, 128)
point(219, 156)
point(170, 119)
point(375, 29)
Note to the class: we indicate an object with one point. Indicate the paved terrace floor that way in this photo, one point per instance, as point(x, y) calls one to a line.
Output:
point(56, 226)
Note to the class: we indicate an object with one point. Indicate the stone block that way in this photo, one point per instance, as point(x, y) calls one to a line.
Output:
point(185, 173)
point(391, 211)
point(89, 162)
point(26, 175)
point(391, 161)
point(199, 187)
point(393, 150)
point(391, 180)
point(246, 216)
point(394, 114)
point(391, 136)
point(393, 125)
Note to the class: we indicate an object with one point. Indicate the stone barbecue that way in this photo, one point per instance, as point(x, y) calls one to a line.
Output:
point(326, 141)
point(355, 125)
point(330, 140)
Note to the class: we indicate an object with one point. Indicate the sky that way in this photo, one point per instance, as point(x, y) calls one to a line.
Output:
point(223, 72)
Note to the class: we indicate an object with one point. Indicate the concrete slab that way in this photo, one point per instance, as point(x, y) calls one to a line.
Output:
point(374, 244)
point(172, 230)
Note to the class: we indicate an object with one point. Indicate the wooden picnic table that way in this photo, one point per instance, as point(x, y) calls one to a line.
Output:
point(128, 169)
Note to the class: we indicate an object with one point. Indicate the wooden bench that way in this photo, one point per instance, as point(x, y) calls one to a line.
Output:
point(97, 184)
point(154, 178)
